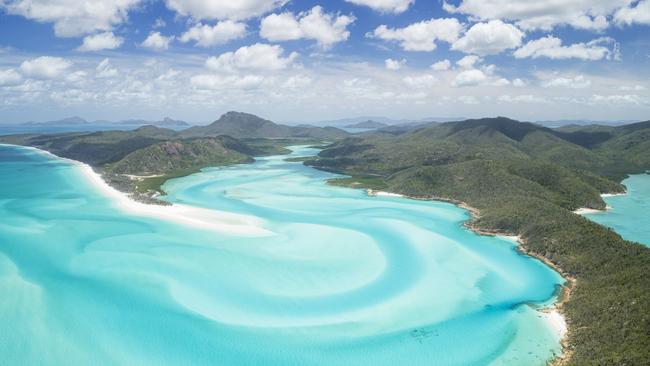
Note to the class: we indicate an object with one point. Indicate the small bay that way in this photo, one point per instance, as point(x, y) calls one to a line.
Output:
point(629, 214)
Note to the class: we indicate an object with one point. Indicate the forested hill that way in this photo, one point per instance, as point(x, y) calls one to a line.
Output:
point(244, 125)
point(526, 179)
point(161, 153)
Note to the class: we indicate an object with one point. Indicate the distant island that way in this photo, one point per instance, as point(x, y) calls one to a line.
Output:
point(74, 121)
point(369, 124)
point(65, 121)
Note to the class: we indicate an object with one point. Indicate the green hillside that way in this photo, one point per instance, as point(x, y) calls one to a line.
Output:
point(525, 179)
point(244, 125)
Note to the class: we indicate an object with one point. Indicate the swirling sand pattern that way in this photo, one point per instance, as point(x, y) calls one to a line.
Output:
point(340, 279)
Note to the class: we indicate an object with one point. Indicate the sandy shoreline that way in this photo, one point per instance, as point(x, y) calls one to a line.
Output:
point(587, 211)
point(551, 314)
point(196, 217)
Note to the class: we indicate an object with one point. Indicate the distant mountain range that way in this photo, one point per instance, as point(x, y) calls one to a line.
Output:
point(71, 121)
point(369, 124)
point(244, 125)
point(345, 122)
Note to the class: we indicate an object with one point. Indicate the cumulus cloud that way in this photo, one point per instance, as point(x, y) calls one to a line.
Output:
point(296, 82)
point(104, 69)
point(637, 14)
point(473, 73)
point(325, 28)
point(10, 77)
point(420, 81)
point(101, 41)
point(72, 18)
point(224, 9)
point(525, 98)
point(385, 6)
point(421, 36)
point(576, 82)
point(519, 83)
point(542, 14)
point(551, 47)
point(618, 99)
point(156, 41)
point(469, 61)
point(442, 65)
point(394, 65)
point(207, 36)
point(471, 77)
point(45, 67)
point(221, 82)
point(255, 57)
point(489, 38)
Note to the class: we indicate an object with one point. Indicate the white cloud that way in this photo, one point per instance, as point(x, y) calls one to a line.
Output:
point(45, 67)
point(72, 18)
point(551, 47)
point(385, 6)
point(296, 82)
point(421, 36)
point(104, 70)
point(10, 77)
point(489, 38)
point(394, 65)
point(639, 14)
point(326, 29)
point(220, 33)
point(469, 61)
point(157, 41)
point(101, 41)
point(472, 77)
point(224, 9)
point(441, 65)
point(159, 23)
point(542, 14)
point(634, 87)
point(519, 83)
point(576, 82)
point(526, 98)
point(421, 81)
point(221, 82)
point(255, 57)
point(633, 99)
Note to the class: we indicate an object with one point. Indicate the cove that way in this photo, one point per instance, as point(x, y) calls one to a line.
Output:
point(627, 214)
point(336, 278)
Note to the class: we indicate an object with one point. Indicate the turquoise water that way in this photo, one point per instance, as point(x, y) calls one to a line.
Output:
point(629, 214)
point(341, 279)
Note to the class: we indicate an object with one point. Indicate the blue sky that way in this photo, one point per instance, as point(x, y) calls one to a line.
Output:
point(313, 60)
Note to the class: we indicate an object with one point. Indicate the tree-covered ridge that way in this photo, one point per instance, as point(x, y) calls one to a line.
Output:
point(244, 125)
point(526, 180)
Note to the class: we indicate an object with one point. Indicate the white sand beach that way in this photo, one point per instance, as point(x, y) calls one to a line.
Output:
point(372, 192)
point(586, 211)
point(200, 218)
point(556, 321)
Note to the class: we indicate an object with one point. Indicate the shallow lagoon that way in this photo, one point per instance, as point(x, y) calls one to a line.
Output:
point(342, 279)
point(629, 214)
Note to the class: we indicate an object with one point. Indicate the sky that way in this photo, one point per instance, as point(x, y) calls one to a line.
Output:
point(305, 61)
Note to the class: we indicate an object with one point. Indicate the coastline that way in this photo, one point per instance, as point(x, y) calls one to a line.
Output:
point(196, 217)
point(587, 211)
point(553, 315)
